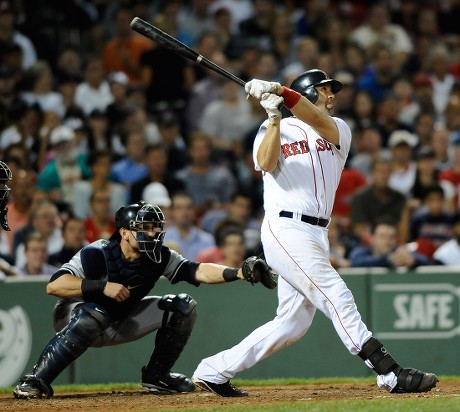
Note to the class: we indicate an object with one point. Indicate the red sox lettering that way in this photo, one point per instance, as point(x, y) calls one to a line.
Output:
point(301, 147)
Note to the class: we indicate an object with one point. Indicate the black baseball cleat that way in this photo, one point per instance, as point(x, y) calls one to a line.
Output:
point(225, 389)
point(168, 383)
point(412, 381)
point(30, 386)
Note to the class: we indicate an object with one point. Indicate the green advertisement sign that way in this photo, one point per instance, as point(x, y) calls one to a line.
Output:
point(417, 316)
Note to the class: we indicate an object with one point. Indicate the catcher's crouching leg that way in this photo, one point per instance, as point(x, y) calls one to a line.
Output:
point(87, 324)
point(408, 380)
point(170, 340)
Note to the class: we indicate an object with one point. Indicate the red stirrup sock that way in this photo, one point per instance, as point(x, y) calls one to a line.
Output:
point(291, 97)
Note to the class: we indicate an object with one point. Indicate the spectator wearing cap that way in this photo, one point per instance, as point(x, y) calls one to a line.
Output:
point(402, 144)
point(122, 52)
point(10, 35)
point(60, 175)
point(448, 254)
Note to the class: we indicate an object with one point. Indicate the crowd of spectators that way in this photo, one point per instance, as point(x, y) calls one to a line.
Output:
point(94, 116)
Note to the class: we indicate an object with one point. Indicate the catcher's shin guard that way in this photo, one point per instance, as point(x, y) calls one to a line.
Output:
point(373, 352)
point(172, 337)
point(88, 322)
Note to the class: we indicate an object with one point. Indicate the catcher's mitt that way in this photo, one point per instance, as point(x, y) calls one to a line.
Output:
point(256, 270)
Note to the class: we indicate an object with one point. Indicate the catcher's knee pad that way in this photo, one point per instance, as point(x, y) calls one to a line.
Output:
point(88, 322)
point(183, 308)
point(86, 325)
point(374, 352)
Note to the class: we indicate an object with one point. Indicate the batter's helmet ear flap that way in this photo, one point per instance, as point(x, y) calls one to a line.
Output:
point(307, 82)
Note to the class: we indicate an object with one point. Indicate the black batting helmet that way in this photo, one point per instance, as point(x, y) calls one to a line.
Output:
point(143, 218)
point(306, 82)
point(5, 177)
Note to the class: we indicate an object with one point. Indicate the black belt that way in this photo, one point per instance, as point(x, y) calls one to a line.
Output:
point(316, 221)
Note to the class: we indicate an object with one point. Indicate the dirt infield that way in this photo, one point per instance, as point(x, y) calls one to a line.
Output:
point(258, 396)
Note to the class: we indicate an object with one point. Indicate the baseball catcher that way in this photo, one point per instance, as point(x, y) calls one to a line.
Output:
point(5, 177)
point(103, 301)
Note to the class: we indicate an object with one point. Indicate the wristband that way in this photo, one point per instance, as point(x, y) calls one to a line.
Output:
point(291, 97)
point(230, 274)
point(91, 289)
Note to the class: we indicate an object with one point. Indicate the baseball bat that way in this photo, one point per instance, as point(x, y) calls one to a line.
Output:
point(171, 43)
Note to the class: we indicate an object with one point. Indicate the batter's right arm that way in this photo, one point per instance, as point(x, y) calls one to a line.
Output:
point(270, 147)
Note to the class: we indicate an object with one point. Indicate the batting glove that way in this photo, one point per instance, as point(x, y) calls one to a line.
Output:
point(257, 88)
point(272, 103)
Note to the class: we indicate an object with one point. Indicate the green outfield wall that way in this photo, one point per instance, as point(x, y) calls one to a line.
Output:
point(416, 315)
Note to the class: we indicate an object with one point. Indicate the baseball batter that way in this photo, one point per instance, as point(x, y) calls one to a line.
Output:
point(301, 159)
point(103, 301)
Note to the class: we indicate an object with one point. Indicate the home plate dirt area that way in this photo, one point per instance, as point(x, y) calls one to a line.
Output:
point(139, 400)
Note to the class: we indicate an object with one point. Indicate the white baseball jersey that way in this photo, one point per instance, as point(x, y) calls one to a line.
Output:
point(308, 171)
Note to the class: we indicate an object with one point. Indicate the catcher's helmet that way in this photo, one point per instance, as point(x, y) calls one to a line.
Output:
point(306, 82)
point(143, 218)
point(5, 177)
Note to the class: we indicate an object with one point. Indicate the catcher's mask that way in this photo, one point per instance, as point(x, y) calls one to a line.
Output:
point(5, 177)
point(305, 84)
point(147, 221)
